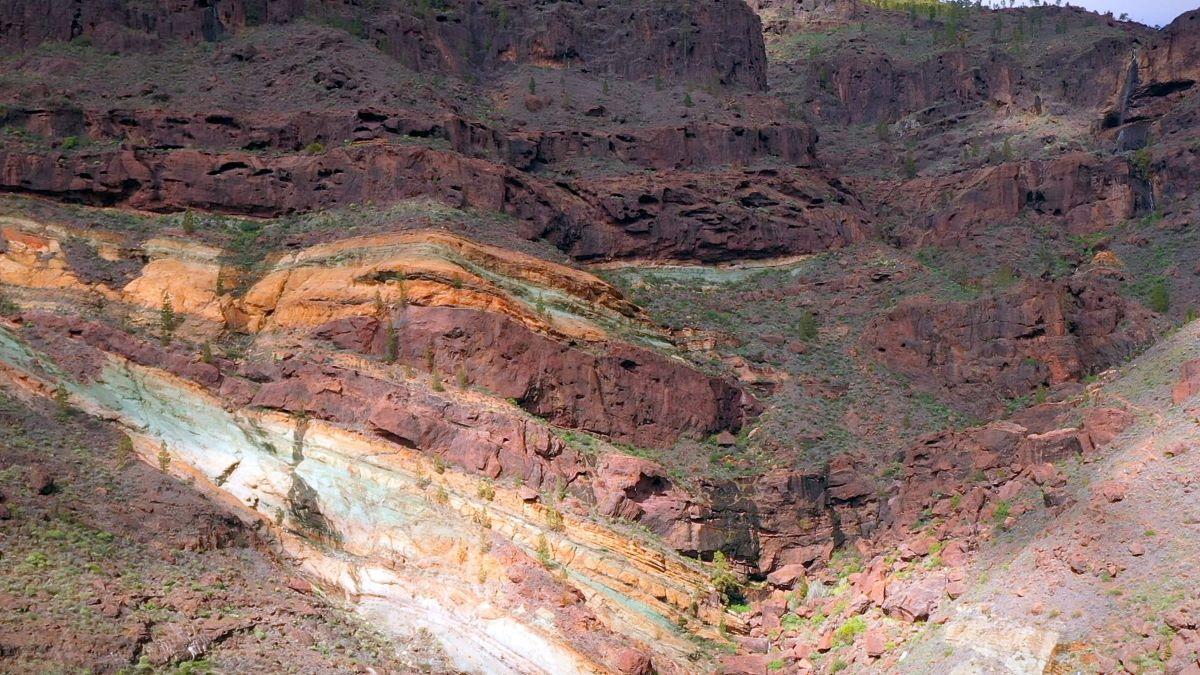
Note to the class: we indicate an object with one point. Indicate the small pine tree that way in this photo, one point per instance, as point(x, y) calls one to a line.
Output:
point(806, 326)
point(124, 451)
point(544, 555)
point(1159, 296)
point(391, 345)
point(687, 100)
point(910, 167)
point(532, 86)
point(164, 458)
point(206, 353)
point(539, 305)
point(168, 321)
point(723, 579)
point(62, 402)
point(189, 222)
point(604, 87)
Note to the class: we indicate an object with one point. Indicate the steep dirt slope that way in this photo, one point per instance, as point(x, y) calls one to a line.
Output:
point(108, 562)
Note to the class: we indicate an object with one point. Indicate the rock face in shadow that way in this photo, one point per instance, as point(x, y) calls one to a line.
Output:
point(120, 26)
point(711, 218)
point(1042, 333)
point(716, 42)
point(678, 146)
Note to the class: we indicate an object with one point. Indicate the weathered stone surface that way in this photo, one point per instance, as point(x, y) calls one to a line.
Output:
point(1189, 382)
point(1078, 188)
point(626, 392)
point(1040, 334)
point(916, 601)
point(719, 41)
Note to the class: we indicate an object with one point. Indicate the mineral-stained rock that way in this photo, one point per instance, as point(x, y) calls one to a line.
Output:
point(629, 393)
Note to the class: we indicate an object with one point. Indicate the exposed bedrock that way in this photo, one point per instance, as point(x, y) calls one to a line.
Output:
point(783, 520)
point(625, 392)
point(716, 42)
point(1079, 188)
point(1040, 334)
point(704, 217)
point(672, 147)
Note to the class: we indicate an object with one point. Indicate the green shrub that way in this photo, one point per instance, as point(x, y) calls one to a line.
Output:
point(486, 491)
point(164, 458)
point(544, 555)
point(1141, 162)
point(807, 326)
point(1158, 296)
point(62, 402)
point(849, 631)
point(723, 579)
point(314, 148)
point(554, 519)
point(1003, 509)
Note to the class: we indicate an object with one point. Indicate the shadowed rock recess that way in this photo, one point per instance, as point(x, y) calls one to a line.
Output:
point(519, 336)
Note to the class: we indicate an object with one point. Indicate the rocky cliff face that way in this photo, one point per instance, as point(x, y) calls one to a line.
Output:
point(612, 336)
point(1038, 335)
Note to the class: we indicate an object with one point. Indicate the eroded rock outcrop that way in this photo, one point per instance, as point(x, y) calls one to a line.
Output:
point(1042, 333)
point(717, 42)
point(625, 392)
point(736, 214)
point(1077, 188)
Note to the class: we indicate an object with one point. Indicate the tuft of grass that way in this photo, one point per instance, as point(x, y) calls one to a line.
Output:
point(849, 631)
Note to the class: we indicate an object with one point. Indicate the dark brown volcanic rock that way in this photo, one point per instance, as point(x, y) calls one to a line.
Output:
point(625, 392)
point(121, 26)
point(1174, 59)
point(716, 42)
point(874, 87)
point(696, 144)
point(717, 216)
point(708, 217)
point(1042, 333)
